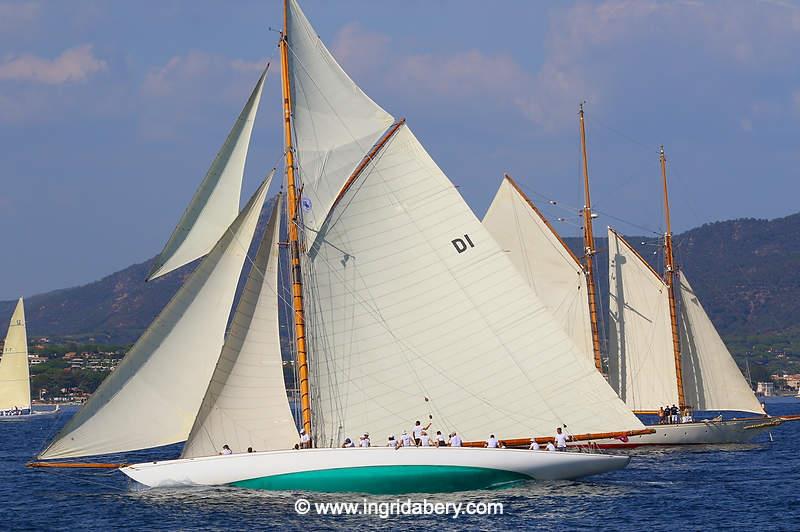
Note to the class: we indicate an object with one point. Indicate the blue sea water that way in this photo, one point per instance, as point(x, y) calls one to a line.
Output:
point(736, 486)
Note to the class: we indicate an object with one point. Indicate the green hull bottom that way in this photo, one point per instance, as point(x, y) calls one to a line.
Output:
point(387, 480)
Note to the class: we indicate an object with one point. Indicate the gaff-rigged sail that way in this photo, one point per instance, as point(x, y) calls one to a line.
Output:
point(15, 380)
point(153, 396)
point(335, 123)
point(641, 362)
point(215, 204)
point(246, 404)
point(552, 271)
point(711, 378)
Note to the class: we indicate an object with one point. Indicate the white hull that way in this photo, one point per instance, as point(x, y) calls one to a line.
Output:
point(376, 469)
point(33, 415)
point(697, 433)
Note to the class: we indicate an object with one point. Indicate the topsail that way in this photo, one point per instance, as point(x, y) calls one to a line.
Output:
point(215, 204)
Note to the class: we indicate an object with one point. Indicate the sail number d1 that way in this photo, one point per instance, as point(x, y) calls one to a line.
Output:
point(462, 244)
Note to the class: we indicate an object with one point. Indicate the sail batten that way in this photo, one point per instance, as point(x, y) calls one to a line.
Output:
point(215, 204)
point(15, 380)
point(152, 397)
point(246, 405)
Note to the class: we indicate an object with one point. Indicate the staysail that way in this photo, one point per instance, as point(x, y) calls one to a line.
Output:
point(543, 259)
point(711, 378)
point(215, 204)
point(246, 404)
point(15, 380)
point(641, 361)
point(335, 123)
point(153, 396)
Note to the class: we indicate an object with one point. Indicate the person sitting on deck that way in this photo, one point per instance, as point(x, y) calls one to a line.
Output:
point(492, 442)
point(226, 449)
point(561, 440)
point(364, 441)
point(305, 441)
point(440, 441)
point(687, 415)
point(550, 446)
point(250, 450)
point(405, 439)
point(455, 440)
point(348, 444)
point(417, 431)
point(424, 439)
point(534, 445)
point(393, 442)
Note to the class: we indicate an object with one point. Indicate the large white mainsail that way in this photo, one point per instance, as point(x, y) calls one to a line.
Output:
point(335, 123)
point(711, 378)
point(415, 310)
point(641, 361)
point(153, 396)
point(15, 380)
point(215, 204)
point(246, 404)
point(543, 259)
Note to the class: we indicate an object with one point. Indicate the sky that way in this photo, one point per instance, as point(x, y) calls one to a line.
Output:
point(111, 112)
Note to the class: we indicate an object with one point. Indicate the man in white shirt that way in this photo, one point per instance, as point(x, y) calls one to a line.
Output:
point(364, 440)
point(424, 439)
point(417, 431)
point(440, 441)
point(534, 446)
point(492, 442)
point(561, 440)
point(455, 440)
point(305, 441)
point(405, 439)
point(393, 443)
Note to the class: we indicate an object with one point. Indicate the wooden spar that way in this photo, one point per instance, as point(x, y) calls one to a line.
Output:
point(541, 216)
point(589, 250)
point(669, 279)
point(294, 241)
point(518, 442)
point(75, 465)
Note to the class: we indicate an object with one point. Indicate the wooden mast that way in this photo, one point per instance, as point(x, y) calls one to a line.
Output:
point(294, 241)
point(669, 279)
point(589, 250)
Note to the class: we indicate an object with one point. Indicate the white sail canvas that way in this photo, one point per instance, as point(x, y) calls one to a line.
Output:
point(15, 380)
point(215, 204)
point(246, 403)
point(153, 396)
point(641, 359)
point(711, 378)
point(552, 271)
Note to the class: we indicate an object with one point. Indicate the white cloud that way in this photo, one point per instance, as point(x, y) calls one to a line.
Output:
point(182, 72)
point(73, 65)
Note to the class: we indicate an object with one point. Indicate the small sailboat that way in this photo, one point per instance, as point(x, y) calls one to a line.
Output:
point(566, 284)
point(15, 379)
point(403, 306)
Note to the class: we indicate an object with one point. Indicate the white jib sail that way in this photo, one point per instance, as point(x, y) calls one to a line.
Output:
point(215, 204)
point(153, 396)
point(414, 310)
point(15, 380)
point(711, 378)
point(335, 123)
point(641, 360)
point(246, 404)
point(541, 257)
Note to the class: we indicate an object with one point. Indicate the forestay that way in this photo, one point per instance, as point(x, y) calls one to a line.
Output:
point(215, 204)
point(246, 404)
point(334, 122)
point(153, 396)
point(15, 381)
point(415, 310)
point(641, 361)
point(711, 378)
point(544, 261)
